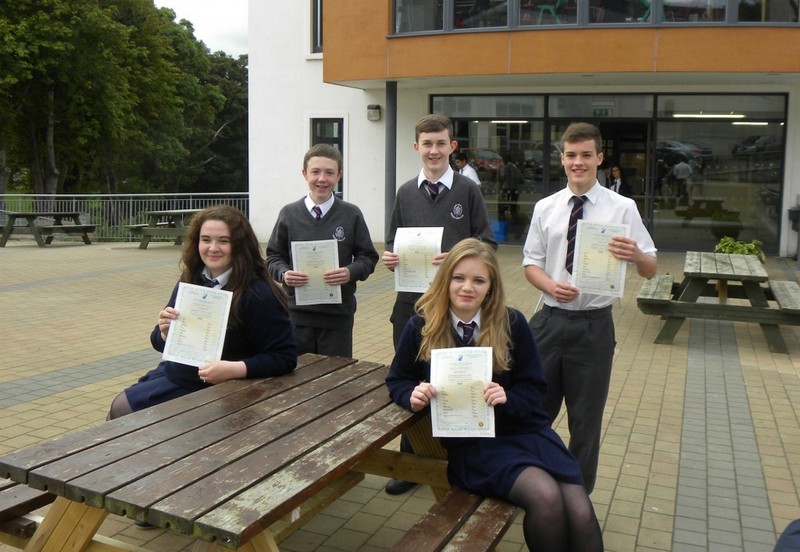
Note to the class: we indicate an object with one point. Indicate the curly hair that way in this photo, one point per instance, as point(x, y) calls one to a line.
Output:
point(434, 306)
point(247, 262)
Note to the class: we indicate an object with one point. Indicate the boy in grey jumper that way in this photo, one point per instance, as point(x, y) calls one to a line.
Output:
point(325, 329)
point(437, 196)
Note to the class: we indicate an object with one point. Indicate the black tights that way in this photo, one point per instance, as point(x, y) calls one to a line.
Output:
point(558, 516)
point(119, 407)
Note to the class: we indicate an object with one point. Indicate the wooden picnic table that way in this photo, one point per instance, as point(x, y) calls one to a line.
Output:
point(40, 230)
point(747, 274)
point(238, 465)
point(171, 223)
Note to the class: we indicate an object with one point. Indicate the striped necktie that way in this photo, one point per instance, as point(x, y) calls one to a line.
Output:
point(574, 217)
point(317, 212)
point(469, 333)
point(433, 189)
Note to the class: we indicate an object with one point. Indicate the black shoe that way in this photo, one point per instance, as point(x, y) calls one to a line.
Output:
point(143, 525)
point(398, 486)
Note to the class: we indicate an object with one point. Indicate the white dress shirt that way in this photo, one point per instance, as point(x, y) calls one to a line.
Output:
point(546, 243)
point(470, 173)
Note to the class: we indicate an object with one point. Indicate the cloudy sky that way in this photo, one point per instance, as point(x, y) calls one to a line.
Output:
point(221, 24)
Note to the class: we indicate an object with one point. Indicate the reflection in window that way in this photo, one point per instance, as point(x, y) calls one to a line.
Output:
point(693, 11)
point(732, 188)
point(768, 10)
point(471, 14)
point(418, 15)
point(618, 11)
point(547, 12)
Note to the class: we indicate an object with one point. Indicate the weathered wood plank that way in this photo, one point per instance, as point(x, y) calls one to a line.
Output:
point(17, 465)
point(787, 295)
point(485, 527)
point(208, 478)
point(435, 529)
point(20, 499)
point(657, 289)
point(711, 311)
point(255, 425)
point(255, 509)
point(407, 467)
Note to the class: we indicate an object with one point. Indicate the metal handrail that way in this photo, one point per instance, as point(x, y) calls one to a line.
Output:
point(112, 213)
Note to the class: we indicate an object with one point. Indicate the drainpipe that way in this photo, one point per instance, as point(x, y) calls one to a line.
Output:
point(390, 186)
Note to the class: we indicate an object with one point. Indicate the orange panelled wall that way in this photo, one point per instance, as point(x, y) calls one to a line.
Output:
point(354, 39)
point(358, 46)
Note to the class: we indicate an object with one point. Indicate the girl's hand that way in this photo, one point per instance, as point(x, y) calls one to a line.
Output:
point(295, 279)
point(494, 394)
point(222, 370)
point(421, 396)
point(390, 260)
point(165, 318)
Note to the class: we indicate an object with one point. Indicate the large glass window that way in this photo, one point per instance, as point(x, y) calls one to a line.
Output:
point(418, 15)
point(330, 131)
point(548, 12)
point(768, 10)
point(316, 34)
point(472, 14)
point(699, 166)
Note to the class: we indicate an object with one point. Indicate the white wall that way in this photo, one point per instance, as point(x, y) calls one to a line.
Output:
point(286, 91)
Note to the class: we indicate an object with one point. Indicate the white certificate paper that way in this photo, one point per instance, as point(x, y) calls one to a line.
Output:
point(416, 247)
point(316, 258)
point(458, 409)
point(595, 269)
point(196, 337)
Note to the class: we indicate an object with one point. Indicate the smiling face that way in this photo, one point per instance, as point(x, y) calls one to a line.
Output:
point(322, 175)
point(434, 149)
point(216, 250)
point(469, 284)
point(580, 160)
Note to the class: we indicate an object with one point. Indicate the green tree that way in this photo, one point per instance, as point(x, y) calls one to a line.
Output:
point(114, 95)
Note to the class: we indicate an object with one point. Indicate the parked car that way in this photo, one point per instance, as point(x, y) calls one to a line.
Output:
point(535, 160)
point(758, 144)
point(673, 150)
point(488, 163)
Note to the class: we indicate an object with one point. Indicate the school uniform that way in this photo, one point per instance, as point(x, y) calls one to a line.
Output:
point(263, 340)
point(487, 465)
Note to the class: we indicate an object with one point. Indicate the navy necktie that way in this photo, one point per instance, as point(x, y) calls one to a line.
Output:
point(433, 189)
point(208, 282)
point(469, 333)
point(317, 212)
point(574, 217)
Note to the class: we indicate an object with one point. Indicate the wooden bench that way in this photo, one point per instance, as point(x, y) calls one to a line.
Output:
point(459, 520)
point(16, 503)
point(138, 229)
point(786, 294)
point(658, 296)
point(82, 229)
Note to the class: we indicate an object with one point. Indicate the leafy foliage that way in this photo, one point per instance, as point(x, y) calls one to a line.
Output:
point(730, 245)
point(116, 96)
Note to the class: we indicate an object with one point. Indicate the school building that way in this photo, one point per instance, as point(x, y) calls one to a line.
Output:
point(713, 83)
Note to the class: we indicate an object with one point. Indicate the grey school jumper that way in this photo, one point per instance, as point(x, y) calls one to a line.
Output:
point(459, 210)
point(343, 222)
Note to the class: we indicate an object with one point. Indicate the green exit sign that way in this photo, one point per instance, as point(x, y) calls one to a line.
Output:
point(602, 112)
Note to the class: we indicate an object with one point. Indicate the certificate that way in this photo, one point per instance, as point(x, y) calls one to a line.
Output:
point(416, 247)
point(197, 335)
point(458, 409)
point(315, 258)
point(595, 269)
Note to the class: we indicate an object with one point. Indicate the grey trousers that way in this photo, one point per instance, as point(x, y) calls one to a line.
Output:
point(577, 350)
point(324, 341)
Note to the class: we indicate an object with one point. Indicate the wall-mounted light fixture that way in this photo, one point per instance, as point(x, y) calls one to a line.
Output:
point(373, 112)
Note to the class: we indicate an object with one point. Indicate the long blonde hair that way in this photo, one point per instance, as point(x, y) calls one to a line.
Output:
point(434, 306)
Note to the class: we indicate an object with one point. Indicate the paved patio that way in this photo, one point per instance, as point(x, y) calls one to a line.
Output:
point(701, 449)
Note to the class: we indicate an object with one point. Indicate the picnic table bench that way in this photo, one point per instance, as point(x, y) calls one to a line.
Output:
point(16, 502)
point(40, 230)
point(660, 296)
point(170, 223)
point(459, 520)
point(240, 465)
